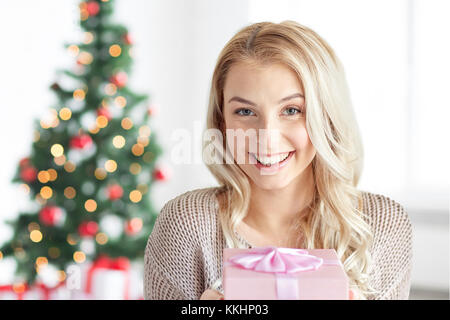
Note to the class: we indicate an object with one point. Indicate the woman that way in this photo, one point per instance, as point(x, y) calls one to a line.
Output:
point(281, 86)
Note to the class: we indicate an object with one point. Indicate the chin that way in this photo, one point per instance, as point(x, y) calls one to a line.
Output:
point(270, 182)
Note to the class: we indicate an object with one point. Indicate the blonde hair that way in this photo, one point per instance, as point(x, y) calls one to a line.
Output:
point(334, 219)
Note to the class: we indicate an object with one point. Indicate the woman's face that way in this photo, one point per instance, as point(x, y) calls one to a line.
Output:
point(254, 100)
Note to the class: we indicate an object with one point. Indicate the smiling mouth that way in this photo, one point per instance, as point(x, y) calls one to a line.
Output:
point(273, 160)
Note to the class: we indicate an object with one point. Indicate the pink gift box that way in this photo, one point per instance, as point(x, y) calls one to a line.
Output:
point(270, 273)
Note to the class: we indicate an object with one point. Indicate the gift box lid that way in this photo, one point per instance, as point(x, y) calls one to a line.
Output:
point(267, 273)
point(325, 271)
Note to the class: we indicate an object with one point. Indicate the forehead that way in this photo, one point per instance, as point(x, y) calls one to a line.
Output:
point(272, 80)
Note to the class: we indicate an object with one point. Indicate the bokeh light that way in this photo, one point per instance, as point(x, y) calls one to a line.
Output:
point(65, 113)
point(100, 173)
point(90, 205)
point(102, 121)
point(69, 166)
point(71, 240)
point(119, 142)
point(88, 37)
point(53, 174)
point(85, 57)
point(110, 89)
point(60, 160)
point(70, 192)
point(115, 50)
point(135, 168)
point(110, 165)
point(143, 141)
point(126, 123)
point(57, 150)
point(101, 238)
point(61, 275)
point(145, 131)
point(36, 236)
point(79, 257)
point(79, 94)
point(135, 196)
point(43, 176)
point(73, 50)
point(137, 149)
point(120, 101)
point(40, 261)
point(46, 192)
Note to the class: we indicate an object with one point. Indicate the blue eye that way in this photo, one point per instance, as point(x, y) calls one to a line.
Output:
point(245, 114)
point(297, 111)
point(248, 112)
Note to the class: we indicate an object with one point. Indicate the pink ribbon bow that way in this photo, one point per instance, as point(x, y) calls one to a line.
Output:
point(283, 262)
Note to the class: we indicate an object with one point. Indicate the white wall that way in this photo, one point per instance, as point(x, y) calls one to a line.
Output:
point(31, 51)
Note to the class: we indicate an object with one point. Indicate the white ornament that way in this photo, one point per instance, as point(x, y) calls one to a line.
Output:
point(87, 246)
point(48, 274)
point(112, 226)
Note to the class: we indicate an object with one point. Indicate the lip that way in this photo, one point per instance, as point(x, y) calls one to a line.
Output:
point(271, 154)
point(275, 167)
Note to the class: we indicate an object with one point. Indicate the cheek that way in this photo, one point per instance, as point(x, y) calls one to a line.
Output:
point(236, 141)
point(301, 139)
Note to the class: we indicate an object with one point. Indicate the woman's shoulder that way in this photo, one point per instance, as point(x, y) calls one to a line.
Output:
point(185, 217)
point(391, 249)
point(381, 207)
point(190, 207)
point(193, 200)
point(177, 246)
point(388, 218)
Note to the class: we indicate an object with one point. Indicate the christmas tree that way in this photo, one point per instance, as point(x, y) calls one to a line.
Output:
point(92, 162)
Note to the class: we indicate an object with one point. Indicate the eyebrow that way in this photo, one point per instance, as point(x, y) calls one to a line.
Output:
point(292, 96)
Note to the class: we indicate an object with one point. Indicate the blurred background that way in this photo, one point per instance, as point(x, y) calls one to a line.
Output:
point(396, 61)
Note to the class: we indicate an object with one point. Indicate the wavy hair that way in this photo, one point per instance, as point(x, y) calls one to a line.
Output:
point(334, 218)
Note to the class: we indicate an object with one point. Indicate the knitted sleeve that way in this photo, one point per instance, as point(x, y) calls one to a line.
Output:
point(392, 249)
point(173, 268)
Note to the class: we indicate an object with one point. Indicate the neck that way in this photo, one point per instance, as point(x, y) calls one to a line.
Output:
point(272, 212)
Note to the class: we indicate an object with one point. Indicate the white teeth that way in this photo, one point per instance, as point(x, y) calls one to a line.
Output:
point(271, 160)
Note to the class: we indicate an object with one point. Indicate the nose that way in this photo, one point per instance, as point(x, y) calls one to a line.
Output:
point(268, 135)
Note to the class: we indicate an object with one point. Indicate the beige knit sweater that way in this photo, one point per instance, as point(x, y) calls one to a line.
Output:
point(183, 256)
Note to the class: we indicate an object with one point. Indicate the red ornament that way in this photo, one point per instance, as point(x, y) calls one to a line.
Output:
point(24, 162)
point(88, 228)
point(161, 174)
point(119, 263)
point(92, 8)
point(28, 174)
point(51, 215)
point(114, 192)
point(82, 141)
point(119, 79)
point(127, 39)
point(104, 112)
point(133, 226)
